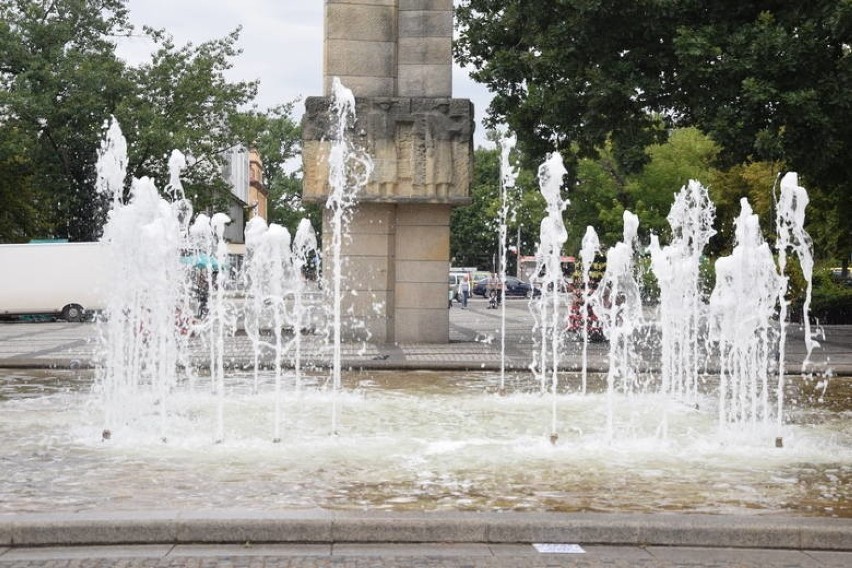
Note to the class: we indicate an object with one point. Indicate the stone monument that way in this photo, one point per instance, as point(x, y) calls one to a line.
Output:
point(396, 57)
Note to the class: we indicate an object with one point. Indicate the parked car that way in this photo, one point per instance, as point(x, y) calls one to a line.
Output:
point(514, 287)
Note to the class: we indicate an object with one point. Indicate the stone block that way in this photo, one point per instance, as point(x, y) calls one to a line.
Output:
point(365, 244)
point(369, 329)
point(363, 273)
point(94, 528)
point(363, 86)
point(421, 295)
point(419, 23)
point(360, 22)
point(423, 243)
point(345, 57)
point(5, 531)
point(373, 218)
point(360, 272)
point(423, 214)
point(547, 527)
point(425, 81)
point(367, 527)
point(425, 51)
point(422, 325)
point(251, 526)
point(440, 5)
point(835, 536)
point(433, 271)
point(390, 3)
point(368, 303)
point(707, 531)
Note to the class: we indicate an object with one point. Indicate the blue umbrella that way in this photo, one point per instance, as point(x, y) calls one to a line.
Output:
point(200, 261)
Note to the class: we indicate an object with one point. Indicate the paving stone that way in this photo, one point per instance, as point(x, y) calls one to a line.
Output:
point(831, 559)
point(415, 549)
point(686, 556)
point(605, 552)
point(77, 552)
point(275, 550)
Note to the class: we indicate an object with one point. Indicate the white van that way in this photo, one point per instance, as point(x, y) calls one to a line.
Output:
point(57, 278)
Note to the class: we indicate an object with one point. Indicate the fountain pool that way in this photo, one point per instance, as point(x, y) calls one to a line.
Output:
point(419, 441)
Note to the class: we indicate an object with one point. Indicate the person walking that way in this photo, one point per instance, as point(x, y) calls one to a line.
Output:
point(464, 291)
point(492, 290)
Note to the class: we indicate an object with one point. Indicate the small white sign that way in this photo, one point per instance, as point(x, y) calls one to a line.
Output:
point(549, 548)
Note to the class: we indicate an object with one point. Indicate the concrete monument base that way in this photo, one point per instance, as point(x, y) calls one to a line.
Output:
point(395, 285)
point(396, 57)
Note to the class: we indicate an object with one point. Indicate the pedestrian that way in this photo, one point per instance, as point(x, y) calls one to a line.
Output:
point(492, 290)
point(464, 291)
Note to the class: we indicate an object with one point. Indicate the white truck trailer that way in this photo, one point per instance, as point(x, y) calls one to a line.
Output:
point(65, 279)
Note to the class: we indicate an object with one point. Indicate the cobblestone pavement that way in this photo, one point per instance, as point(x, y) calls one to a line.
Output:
point(415, 555)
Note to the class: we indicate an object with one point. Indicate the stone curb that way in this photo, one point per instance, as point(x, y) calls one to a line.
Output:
point(839, 370)
point(319, 526)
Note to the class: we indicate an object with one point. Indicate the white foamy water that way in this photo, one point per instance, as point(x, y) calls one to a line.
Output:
point(418, 441)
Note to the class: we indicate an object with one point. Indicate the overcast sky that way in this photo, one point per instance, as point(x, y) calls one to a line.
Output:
point(281, 42)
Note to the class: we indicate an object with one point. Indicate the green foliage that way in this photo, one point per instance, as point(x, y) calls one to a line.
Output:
point(768, 82)
point(599, 199)
point(181, 100)
point(687, 154)
point(754, 181)
point(20, 198)
point(568, 74)
point(60, 81)
point(473, 234)
point(831, 302)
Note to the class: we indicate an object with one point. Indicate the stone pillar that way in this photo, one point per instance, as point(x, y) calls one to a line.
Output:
point(425, 57)
point(360, 46)
point(396, 57)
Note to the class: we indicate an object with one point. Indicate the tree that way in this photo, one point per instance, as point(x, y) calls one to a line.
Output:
point(599, 199)
point(20, 196)
point(473, 233)
point(182, 100)
point(571, 74)
point(59, 80)
point(687, 154)
point(766, 80)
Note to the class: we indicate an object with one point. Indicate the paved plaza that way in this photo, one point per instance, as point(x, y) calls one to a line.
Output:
point(308, 539)
point(475, 343)
point(356, 539)
point(416, 555)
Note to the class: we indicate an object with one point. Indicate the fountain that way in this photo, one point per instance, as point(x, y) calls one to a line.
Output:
point(508, 176)
point(591, 246)
point(677, 267)
point(157, 430)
